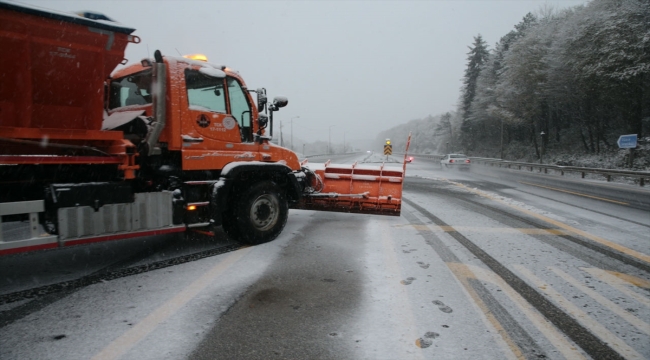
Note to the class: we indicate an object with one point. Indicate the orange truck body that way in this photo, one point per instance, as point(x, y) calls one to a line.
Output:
point(74, 147)
point(52, 78)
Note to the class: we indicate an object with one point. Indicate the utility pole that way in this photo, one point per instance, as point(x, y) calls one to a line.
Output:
point(501, 138)
point(281, 143)
point(295, 117)
point(541, 151)
point(329, 141)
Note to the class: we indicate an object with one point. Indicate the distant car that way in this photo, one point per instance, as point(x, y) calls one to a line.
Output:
point(409, 159)
point(455, 161)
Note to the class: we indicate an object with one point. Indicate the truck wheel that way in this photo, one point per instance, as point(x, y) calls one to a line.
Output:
point(260, 214)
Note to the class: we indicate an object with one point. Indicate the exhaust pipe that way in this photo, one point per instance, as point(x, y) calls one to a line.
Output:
point(158, 94)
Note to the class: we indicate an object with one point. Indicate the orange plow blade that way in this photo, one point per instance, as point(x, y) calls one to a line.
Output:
point(365, 189)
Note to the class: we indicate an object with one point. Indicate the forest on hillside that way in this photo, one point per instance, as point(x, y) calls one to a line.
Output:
point(562, 84)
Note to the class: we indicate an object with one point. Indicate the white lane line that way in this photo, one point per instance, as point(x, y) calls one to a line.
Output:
point(594, 326)
point(561, 342)
point(610, 305)
point(124, 343)
point(620, 284)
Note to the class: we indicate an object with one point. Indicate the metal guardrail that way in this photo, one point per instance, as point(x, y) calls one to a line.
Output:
point(641, 176)
point(333, 154)
point(428, 156)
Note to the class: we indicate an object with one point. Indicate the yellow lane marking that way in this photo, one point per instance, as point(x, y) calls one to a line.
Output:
point(638, 323)
point(558, 339)
point(621, 282)
point(594, 326)
point(576, 193)
point(477, 229)
point(618, 247)
point(638, 282)
point(124, 343)
point(462, 274)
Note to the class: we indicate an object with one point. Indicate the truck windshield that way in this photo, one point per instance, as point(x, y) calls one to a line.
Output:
point(131, 90)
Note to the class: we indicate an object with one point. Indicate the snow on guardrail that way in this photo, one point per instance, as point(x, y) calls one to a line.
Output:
point(641, 176)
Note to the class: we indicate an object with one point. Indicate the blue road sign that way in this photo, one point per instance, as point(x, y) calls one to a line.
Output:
point(627, 141)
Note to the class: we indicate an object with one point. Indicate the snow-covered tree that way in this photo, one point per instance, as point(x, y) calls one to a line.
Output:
point(476, 57)
point(483, 120)
point(601, 58)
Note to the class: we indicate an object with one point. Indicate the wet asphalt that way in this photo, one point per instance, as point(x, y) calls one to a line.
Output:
point(304, 305)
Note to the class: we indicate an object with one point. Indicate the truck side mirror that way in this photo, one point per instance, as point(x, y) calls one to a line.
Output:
point(261, 99)
point(280, 101)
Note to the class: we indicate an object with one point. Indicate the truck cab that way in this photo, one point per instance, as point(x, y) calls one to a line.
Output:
point(211, 117)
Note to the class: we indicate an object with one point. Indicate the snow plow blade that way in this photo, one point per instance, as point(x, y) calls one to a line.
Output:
point(364, 189)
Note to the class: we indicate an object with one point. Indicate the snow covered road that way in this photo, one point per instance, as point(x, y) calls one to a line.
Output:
point(478, 266)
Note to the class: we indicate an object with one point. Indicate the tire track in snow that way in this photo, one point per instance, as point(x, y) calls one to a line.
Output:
point(601, 248)
point(590, 343)
point(512, 336)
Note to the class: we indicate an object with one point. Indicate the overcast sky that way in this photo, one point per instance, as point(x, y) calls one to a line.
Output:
point(349, 67)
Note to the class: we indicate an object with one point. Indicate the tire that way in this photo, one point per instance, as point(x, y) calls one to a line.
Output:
point(258, 215)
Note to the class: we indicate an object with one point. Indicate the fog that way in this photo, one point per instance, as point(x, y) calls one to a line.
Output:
point(349, 68)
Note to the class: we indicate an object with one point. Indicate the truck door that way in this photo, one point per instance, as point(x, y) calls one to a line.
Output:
point(207, 106)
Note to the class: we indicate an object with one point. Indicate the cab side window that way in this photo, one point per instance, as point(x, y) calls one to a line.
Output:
point(240, 107)
point(205, 92)
point(131, 90)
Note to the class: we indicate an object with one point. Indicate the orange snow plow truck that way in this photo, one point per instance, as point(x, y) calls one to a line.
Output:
point(161, 146)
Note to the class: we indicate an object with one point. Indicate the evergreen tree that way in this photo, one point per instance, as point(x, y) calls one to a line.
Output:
point(444, 132)
point(484, 111)
point(476, 57)
point(503, 46)
point(600, 71)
